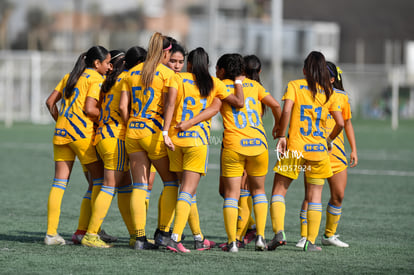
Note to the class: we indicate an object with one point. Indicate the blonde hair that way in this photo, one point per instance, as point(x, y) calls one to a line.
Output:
point(155, 53)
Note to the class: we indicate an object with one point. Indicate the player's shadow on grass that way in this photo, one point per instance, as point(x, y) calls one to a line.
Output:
point(25, 237)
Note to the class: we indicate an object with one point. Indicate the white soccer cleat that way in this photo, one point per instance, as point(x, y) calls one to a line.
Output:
point(301, 242)
point(333, 240)
point(54, 240)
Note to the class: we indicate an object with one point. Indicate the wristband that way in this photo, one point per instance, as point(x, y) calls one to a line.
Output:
point(238, 81)
point(164, 133)
point(329, 140)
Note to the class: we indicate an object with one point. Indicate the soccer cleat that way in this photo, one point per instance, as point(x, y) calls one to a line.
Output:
point(107, 238)
point(333, 240)
point(260, 244)
point(210, 243)
point(230, 247)
point(301, 242)
point(77, 236)
point(162, 238)
point(204, 244)
point(54, 240)
point(311, 247)
point(278, 240)
point(177, 247)
point(92, 240)
point(250, 236)
point(239, 244)
point(142, 243)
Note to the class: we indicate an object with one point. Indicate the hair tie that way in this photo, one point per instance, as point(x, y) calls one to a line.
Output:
point(168, 48)
point(118, 55)
point(339, 72)
point(330, 71)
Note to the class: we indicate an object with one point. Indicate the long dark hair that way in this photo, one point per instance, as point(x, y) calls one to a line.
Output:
point(233, 65)
point(316, 72)
point(117, 61)
point(134, 56)
point(199, 61)
point(334, 72)
point(253, 67)
point(84, 61)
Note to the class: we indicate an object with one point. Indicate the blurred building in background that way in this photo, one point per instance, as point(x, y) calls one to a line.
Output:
point(372, 40)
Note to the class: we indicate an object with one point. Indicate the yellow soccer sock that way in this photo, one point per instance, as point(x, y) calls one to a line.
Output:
point(277, 213)
point(244, 214)
point(54, 203)
point(97, 184)
point(85, 211)
point(194, 219)
point(124, 205)
point(314, 220)
point(139, 215)
point(167, 205)
point(333, 215)
point(260, 205)
point(182, 211)
point(303, 223)
point(230, 213)
point(147, 199)
point(102, 203)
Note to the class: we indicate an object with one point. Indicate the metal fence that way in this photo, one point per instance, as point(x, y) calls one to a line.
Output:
point(28, 78)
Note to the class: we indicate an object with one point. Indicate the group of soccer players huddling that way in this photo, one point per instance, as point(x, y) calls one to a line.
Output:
point(129, 115)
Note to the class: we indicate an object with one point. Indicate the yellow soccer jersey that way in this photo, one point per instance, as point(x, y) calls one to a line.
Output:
point(188, 104)
point(308, 120)
point(146, 115)
point(338, 149)
point(110, 121)
point(72, 123)
point(243, 127)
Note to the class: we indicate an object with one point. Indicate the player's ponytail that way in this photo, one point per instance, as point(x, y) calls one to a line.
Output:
point(199, 61)
point(316, 72)
point(157, 45)
point(117, 61)
point(85, 60)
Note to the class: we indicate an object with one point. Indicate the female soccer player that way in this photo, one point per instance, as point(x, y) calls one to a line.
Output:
point(141, 106)
point(244, 149)
point(110, 142)
point(337, 183)
point(307, 103)
point(190, 93)
point(74, 129)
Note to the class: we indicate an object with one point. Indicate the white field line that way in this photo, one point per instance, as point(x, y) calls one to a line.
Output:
point(380, 172)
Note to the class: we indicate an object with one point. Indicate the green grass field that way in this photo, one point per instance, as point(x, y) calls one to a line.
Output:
point(377, 220)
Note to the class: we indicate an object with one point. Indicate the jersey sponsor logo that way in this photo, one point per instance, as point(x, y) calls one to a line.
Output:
point(135, 72)
point(60, 132)
point(314, 147)
point(248, 142)
point(245, 85)
point(188, 134)
point(137, 125)
point(188, 81)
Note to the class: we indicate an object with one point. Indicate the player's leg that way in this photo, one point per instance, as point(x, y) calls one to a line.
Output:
point(303, 218)
point(337, 185)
